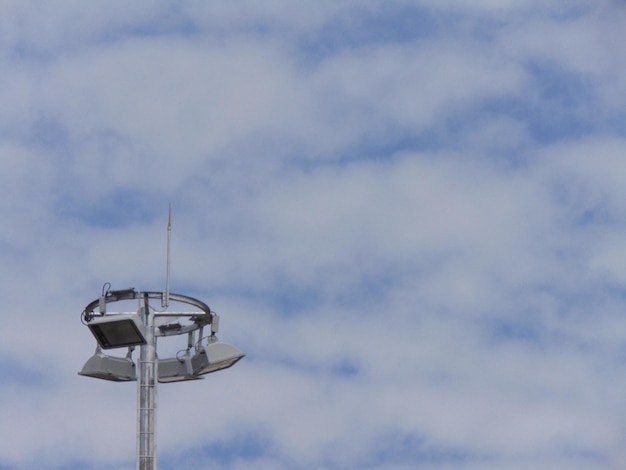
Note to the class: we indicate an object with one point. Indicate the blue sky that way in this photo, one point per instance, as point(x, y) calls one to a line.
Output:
point(409, 214)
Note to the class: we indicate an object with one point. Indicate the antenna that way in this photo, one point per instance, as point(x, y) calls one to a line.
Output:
point(166, 295)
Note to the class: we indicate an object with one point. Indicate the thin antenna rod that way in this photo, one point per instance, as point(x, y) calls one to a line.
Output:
point(166, 295)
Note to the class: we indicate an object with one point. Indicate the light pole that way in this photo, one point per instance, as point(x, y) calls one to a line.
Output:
point(141, 328)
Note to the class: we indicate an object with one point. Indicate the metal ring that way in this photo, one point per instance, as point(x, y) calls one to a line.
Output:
point(132, 294)
point(198, 319)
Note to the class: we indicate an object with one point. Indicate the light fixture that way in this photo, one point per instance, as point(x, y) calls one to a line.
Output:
point(216, 356)
point(176, 369)
point(125, 329)
point(117, 330)
point(116, 369)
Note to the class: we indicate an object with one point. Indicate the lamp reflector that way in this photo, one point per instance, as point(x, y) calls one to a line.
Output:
point(117, 369)
point(117, 330)
point(216, 356)
point(176, 369)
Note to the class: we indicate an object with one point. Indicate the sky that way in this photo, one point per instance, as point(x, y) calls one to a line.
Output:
point(410, 215)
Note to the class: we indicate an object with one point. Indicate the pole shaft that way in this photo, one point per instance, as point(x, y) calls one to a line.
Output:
point(146, 395)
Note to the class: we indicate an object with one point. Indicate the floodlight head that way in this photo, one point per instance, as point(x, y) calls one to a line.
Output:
point(116, 369)
point(216, 356)
point(118, 330)
point(175, 369)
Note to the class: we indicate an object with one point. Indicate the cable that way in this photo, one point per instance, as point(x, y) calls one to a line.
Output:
point(186, 351)
point(105, 292)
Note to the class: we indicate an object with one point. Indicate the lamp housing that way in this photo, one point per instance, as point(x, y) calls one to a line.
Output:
point(118, 330)
point(116, 369)
point(216, 356)
point(176, 369)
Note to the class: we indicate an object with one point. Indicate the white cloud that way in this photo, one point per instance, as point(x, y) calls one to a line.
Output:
point(415, 238)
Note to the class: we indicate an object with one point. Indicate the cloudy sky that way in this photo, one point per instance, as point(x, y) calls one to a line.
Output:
point(411, 215)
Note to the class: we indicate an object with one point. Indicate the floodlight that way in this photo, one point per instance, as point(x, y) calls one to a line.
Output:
point(117, 369)
point(216, 356)
point(118, 330)
point(176, 369)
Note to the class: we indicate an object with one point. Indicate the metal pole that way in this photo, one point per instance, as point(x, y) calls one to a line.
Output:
point(146, 394)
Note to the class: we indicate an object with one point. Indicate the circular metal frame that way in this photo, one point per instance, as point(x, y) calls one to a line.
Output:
point(198, 319)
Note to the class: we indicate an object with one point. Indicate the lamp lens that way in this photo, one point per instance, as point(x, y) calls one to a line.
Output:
point(117, 334)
